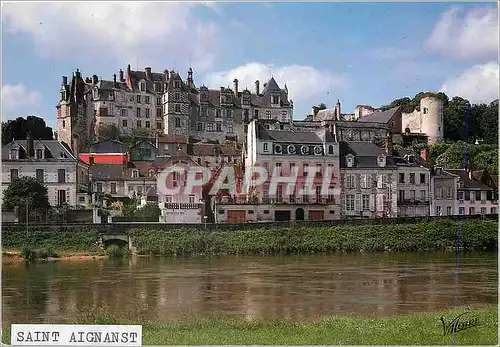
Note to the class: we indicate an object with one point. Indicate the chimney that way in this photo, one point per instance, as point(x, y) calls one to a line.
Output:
point(114, 80)
point(388, 144)
point(64, 80)
point(128, 68)
point(314, 112)
point(74, 146)
point(148, 72)
point(424, 153)
point(337, 110)
point(95, 79)
point(235, 82)
point(29, 145)
point(121, 76)
point(257, 90)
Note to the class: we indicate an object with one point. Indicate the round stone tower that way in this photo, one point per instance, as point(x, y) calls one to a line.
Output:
point(431, 113)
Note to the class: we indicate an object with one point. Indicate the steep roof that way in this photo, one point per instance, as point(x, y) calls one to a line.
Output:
point(107, 172)
point(57, 150)
point(365, 154)
point(109, 146)
point(469, 182)
point(380, 116)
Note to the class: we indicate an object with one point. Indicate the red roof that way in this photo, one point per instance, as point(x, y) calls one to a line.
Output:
point(118, 158)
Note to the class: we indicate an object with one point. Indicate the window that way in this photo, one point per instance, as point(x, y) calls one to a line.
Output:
point(139, 189)
point(177, 84)
point(177, 122)
point(401, 178)
point(349, 202)
point(218, 127)
point(61, 176)
point(412, 194)
point(148, 124)
point(318, 193)
point(461, 195)
point(472, 210)
point(191, 199)
point(229, 128)
point(349, 179)
point(483, 196)
point(461, 210)
point(64, 123)
point(61, 197)
point(146, 99)
point(39, 175)
point(268, 114)
point(350, 161)
point(203, 112)
point(245, 113)
point(305, 198)
point(448, 193)
point(113, 188)
point(279, 193)
point(305, 168)
point(425, 110)
point(331, 197)
point(365, 181)
point(123, 112)
point(366, 202)
point(143, 86)
point(229, 113)
point(478, 195)
point(14, 174)
point(135, 173)
point(438, 194)
point(493, 210)
point(256, 114)
point(138, 99)
point(210, 127)
point(278, 168)
point(13, 154)
point(292, 167)
point(266, 147)
point(158, 113)
point(199, 126)
point(158, 125)
point(318, 170)
point(177, 108)
point(401, 195)
point(158, 101)
point(448, 211)
point(275, 99)
point(438, 211)
point(138, 112)
point(147, 113)
point(217, 113)
point(483, 210)
point(330, 149)
point(422, 178)
point(139, 124)
point(412, 178)
point(177, 97)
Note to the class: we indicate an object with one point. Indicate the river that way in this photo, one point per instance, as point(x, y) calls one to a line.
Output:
point(301, 288)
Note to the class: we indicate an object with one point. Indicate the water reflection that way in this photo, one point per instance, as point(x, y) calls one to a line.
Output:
point(295, 287)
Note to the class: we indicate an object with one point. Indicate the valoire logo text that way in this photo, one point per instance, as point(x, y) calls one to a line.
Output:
point(75, 335)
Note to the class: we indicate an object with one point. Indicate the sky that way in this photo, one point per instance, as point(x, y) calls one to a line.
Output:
point(358, 53)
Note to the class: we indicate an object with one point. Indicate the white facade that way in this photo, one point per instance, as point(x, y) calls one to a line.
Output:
point(414, 194)
point(428, 120)
point(444, 189)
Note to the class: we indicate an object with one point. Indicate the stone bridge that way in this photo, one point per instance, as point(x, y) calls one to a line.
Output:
point(122, 240)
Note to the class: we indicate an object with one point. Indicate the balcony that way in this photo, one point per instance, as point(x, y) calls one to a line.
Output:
point(181, 206)
point(420, 201)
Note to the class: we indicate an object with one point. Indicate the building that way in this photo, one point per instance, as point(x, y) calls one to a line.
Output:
point(211, 155)
point(283, 152)
point(428, 120)
point(444, 191)
point(368, 180)
point(106, 152)
point(53, 164)
point(473, 194)
point(413, 184)
point(108, 180)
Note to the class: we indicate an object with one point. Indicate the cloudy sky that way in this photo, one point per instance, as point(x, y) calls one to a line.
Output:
point(365, 53)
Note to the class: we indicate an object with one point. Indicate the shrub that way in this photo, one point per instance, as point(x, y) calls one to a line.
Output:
point(28, 253)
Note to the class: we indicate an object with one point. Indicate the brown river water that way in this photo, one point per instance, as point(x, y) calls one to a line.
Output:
point(300, 288)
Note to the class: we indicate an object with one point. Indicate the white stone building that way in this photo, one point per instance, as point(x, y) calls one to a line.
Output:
point(427, 120)
point(53, 164)
point(444, 190)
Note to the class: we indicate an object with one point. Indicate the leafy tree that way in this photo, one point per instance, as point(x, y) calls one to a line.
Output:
point(379, 140)
point(20, 127)
point(150, 210)
point(107, 132)
point(26, 189)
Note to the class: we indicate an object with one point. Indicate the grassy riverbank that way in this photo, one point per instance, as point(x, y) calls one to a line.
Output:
point(425, 236)
point(413, 329)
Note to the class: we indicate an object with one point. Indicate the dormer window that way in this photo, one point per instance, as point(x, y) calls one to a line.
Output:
point(275, 99)
point(350, 161)
point(151, 173)
point(381, 161)
point(14, 153)
point(143, 86)
point(135, 173)
point(330, 149)
point(95, 93)
point(39, 153)
point(177, 84)
point(266, 147)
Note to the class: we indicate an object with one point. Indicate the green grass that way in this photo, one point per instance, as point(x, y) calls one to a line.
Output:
point(413, 329)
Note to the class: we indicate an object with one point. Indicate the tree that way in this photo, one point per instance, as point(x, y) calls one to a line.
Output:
point(26, 189)
point(18, 129)
point(107, 132)
point(150, 210)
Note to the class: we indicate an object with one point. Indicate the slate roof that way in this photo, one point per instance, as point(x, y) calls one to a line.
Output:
point(109, 146)
point(137, 76)
point(54, 147)
point(293, 136)
point(107, 172)
point(444, 174)
point(380, 116)
point(468, 182)
point(207, 149)
point(365, 155)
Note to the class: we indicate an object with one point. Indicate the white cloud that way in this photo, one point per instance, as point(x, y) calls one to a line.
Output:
point(477, 84)
point(473, 36)
point(19, 101)
point(120, 30)
point(304, 83)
